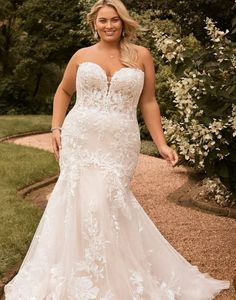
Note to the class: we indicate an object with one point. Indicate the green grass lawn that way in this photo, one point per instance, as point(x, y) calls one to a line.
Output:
point(149, 148)
point(10, 125)
point(20, 166)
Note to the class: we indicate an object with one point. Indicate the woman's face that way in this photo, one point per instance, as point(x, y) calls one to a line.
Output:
point(108, 24)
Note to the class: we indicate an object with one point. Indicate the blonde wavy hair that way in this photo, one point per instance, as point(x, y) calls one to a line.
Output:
point(129, 55)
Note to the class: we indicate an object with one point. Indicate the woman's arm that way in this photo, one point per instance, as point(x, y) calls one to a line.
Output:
point(61, 102)
point(151, 111)
point(64, 93)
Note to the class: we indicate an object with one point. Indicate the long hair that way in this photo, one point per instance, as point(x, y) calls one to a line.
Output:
point(129, 55)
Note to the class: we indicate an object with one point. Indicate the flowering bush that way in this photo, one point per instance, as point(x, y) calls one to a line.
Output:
point(214, 33)
point(213, 189)
point(171, 49)
point(204, 127)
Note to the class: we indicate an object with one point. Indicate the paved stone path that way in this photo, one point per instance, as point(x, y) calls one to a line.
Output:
point(205, 240)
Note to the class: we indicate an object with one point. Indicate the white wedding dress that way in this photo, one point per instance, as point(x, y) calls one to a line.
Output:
point(94, 240)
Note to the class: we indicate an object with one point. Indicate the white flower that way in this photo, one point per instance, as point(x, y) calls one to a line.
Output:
point(216, 191)
point(170, 48)
point(215, 34)
point(85, 289)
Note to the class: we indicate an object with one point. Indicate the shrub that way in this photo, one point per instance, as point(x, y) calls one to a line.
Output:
point(203, 129)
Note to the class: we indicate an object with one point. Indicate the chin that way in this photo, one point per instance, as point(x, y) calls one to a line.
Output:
point(111, 38)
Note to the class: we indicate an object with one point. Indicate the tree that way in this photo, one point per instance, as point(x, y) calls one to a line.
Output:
point(192, 14)
point(8, 34)
point(47, 34)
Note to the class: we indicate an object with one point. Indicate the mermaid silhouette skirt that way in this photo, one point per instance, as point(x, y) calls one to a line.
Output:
point(94, 240)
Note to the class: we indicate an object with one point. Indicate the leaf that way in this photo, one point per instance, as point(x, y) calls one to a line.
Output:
point(226, 182)
point(222, 170)
point(232, 157)
point(233, 22)
point(224, 150)
point(209, 167)
point(233, 31)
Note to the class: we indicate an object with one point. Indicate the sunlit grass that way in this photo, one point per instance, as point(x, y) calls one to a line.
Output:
point(10, 125)
point(20, 166)
point(149, 148)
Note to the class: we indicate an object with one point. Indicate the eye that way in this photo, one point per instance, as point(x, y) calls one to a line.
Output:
point(102, 21)
point(116, 19)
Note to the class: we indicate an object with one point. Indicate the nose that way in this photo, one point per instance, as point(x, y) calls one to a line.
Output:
point(109, 24)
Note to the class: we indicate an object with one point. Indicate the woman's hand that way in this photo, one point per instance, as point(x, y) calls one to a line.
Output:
point(168, 154)
point(56, 143)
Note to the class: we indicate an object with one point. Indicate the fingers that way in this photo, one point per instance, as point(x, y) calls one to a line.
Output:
point(55, 150)
point(56, 144)
point(171, 158)
point(174, 159)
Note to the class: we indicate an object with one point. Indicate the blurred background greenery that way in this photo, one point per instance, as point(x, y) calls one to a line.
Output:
point(188, 39)
point(37, 38)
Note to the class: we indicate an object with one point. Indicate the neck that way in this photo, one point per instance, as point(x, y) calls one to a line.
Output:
point(109, 45)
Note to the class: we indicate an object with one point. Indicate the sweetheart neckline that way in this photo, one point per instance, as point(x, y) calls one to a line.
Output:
point(104, 71)
point(109, 82)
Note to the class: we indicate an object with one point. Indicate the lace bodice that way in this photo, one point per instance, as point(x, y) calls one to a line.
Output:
point(119, 94)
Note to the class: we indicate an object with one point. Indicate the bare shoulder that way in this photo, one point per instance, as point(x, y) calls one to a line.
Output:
point(81, 54)
point(144, 55)
point(142, 51)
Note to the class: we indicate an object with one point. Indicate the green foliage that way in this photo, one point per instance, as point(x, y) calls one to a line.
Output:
point(9, 33)
point(141, 5)
point(152, 23)
point(149, 21)
point(217, 67)
point(204, 125)
point(191, 15)
point(214, 189)
point(46, 34)
point(52, 29)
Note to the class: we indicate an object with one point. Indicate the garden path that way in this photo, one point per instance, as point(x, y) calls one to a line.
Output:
point(204, 239)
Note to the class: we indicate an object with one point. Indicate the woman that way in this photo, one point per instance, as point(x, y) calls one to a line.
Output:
point(94, 240)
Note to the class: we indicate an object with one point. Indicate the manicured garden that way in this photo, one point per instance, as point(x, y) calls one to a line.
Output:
point(17, 124)
point(193, 47)
point(20, 166)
